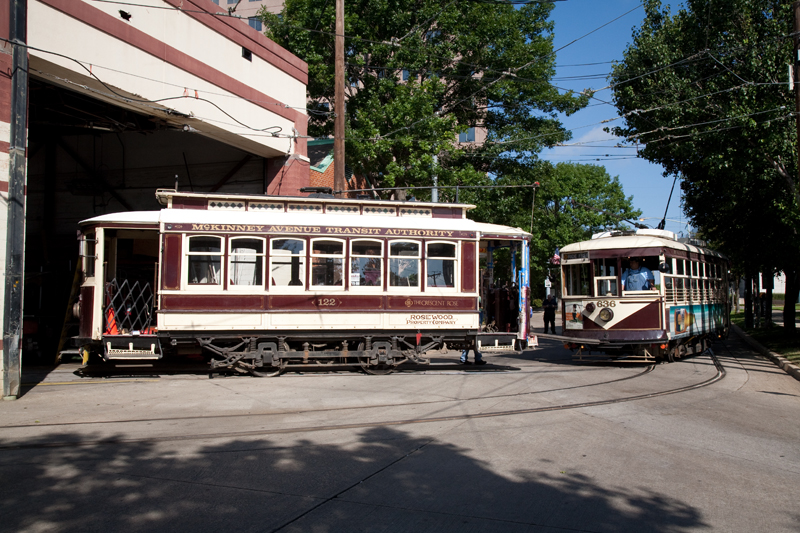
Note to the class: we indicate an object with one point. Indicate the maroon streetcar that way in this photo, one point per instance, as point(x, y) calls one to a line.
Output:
point(643, 295)
point(259, 284)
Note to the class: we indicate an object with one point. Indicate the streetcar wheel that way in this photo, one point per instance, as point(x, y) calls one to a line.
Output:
point(272, 373)
point(376, 370)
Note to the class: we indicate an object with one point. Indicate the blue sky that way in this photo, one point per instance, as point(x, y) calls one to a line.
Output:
point(640, 179)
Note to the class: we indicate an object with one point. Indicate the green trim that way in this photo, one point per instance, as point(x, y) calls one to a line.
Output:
point(324, 164)
point(320, 142)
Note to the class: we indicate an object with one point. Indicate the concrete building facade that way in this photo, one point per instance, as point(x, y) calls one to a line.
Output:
point(126, 98)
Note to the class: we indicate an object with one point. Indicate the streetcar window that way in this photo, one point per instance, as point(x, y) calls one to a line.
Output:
point(440, 265)
point(327, 262)
point(680, 269)
point(87, 254)
point(287, 262)
point(246, 262)
point(694, 269)
point(576, 279)
point(605, 277)
point(404, 264)
point(204, 260)
point(366, 263)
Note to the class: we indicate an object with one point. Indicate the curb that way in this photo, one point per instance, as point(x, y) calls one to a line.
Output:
point(779, 360)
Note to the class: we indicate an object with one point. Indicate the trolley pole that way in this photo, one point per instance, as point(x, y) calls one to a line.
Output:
point(338, 103)
point(15, 232)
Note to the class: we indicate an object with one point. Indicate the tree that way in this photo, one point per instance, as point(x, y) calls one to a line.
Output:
point(573, 202)
point(419, 73)
point(704, 91)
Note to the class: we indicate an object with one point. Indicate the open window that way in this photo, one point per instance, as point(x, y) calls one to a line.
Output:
point(366, 263)
point(640, 275)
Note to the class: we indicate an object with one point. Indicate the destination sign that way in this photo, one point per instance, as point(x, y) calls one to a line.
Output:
point(319, 230)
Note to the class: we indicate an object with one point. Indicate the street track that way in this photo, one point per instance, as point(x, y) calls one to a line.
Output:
point(720, 374)
point(647, 370)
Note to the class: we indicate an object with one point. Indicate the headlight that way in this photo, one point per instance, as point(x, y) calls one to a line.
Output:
point(606, 314)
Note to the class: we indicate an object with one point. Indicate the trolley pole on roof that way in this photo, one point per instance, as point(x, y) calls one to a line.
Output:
point(338, 102)
point(15, 232)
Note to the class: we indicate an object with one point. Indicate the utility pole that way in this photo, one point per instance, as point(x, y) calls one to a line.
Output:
point(338, 102)
point(796, 75)
point(15, 232)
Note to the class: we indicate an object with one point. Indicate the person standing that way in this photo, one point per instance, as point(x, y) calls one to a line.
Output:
point(550, 305)
point(478, 356)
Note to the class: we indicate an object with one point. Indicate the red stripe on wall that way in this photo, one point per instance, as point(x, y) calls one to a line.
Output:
point(123, 31)
point(242, 34)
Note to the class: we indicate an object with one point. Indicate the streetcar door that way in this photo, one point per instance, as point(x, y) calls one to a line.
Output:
point(129, 293)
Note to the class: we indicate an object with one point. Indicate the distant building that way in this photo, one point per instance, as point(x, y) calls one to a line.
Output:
point(320, 152)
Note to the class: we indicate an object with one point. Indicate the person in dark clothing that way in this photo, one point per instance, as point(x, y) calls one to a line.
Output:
point(550, 305)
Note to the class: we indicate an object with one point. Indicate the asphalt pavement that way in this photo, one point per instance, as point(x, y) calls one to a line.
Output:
point(530, 442)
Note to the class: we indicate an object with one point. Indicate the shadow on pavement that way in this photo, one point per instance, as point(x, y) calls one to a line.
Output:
point(382, 479)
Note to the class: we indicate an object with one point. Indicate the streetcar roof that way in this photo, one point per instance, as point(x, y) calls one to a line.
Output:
point(189, 216)
point(628, 242)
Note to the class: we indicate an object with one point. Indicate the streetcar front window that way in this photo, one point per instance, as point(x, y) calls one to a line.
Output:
point(605, 277)
point(204, 260)
point(404, 258)
point(366, 263)
point(287, 262)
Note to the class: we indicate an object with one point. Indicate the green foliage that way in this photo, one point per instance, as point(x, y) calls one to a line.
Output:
point(573, 202)
point(469, 64)
point(704, 90)
point(536, 303)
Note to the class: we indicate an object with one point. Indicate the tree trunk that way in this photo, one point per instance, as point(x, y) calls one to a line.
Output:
point(767, 281)
point(748, 299)
point(792, 293)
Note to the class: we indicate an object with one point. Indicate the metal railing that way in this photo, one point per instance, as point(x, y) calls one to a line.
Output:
point(129, 308)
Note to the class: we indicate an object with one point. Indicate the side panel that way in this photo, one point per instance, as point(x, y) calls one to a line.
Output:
point(87, 311)
point(468, 266)
point(171, 262)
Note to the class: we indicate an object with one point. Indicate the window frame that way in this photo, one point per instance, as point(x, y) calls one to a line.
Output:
point(456, 266)
point(417, 258)
point(612, 278)
point(303, 265)
point(231, 255)
point(186, 264)
point(312, 256)
point(382, 257)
